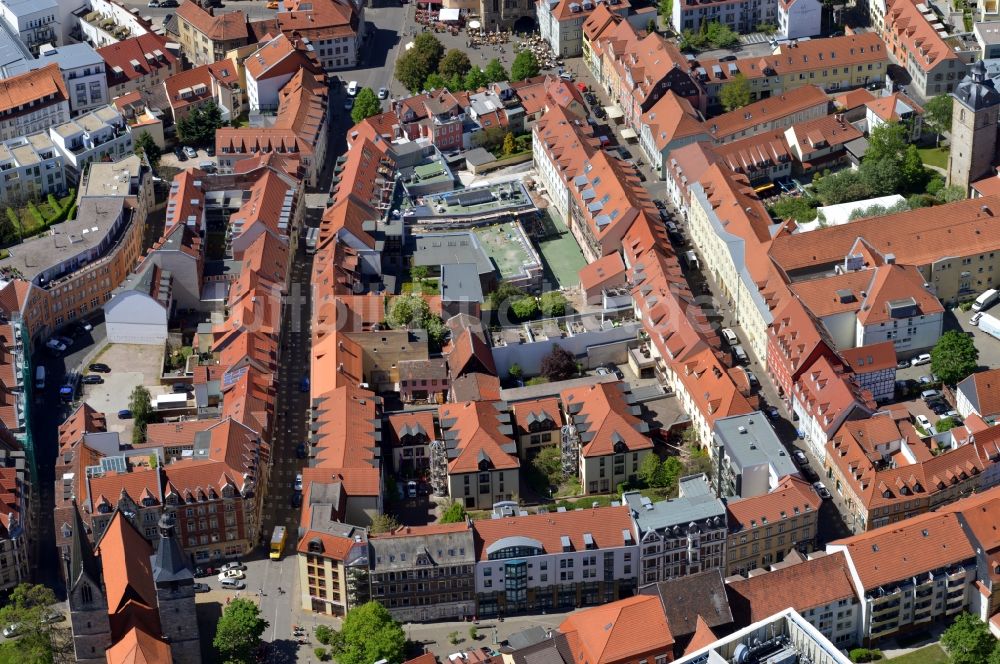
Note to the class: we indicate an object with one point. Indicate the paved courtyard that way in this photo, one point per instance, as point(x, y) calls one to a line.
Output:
point(131, 365)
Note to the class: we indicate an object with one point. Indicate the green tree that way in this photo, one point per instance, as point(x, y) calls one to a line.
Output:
point(945, 424)
point(548, 462)
point(370, 634)
point(366, 104)
point(841, 187)
point(237, 635)
point(454, 63)
point(495, 71)
point(419, 273)
point(200, 125)
point(435, 81)
point(508, 144)
point(145, 145)
point(559, 364)
point(954, 357)
point(383, 523)
point(407, 311)
point(437, 331)
point(430, 47)
point(721, 35)
point(515, 371)
point(914, 173)
point(412, 69)
point(27, 606)
point(937, 115)
point(887, 141)
point(736, 93)
point(951, 193)
point(968, 640)
point(505, 291)
point(525, 308)
point(525, 66)
point(666, 9)
point(799, 208)
point(140, 402)
point(649, 469)
point(476, 78)
point(454, 513)
point(553, 303)
point(455, 83)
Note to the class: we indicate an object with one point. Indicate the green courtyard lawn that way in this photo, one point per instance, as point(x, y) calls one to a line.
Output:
point(934, 156)
point(932, 654)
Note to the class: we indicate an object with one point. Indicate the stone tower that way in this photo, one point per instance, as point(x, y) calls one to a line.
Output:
point(88, 605)
point(973, 128)
point(174, 581)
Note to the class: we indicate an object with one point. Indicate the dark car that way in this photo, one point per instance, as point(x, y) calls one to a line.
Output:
point(179, 153)
point(100, 367)
point(182, 388)
point(201, 587)
point(202, 572)
point(304, 384)
point(727, 58)
point(210, 150)
point(300, 451)
point(296, 499)
point(660, 205)
point(615, 370)
point(92, 379)
point(124, 414)
point(169, 3)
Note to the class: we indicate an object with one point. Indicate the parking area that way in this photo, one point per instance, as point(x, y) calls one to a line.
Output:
point(131, 365)
point(168, 158)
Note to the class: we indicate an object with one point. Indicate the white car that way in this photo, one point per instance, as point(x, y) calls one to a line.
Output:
point(232, 584)
point(232, 574)
point(298, 482)
point(190, 152)
point(383, 93)
point(352, 88)
point(232, 566)
point(11, 630)
point(821, 489)
point(730, 336)
point(56, 345)
point(924, 423)
point(923, 358)
point(975, 318)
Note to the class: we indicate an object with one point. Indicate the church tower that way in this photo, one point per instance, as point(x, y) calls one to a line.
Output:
point(88, 605)
point(973, 128)
point(174, 581)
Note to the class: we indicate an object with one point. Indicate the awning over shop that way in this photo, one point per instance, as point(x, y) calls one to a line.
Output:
point(448, 15)
point(614, 112)
point(628, 134)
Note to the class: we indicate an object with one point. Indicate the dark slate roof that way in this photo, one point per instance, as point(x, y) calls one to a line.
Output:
point(554, 650)
point(82, 560)
point(687, 597)
point(977, 90)
point(170, 565)
point(527, 637)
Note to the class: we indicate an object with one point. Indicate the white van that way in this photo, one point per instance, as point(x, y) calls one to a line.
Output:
point(39, 378)
point(986, 300)
point(691, 259)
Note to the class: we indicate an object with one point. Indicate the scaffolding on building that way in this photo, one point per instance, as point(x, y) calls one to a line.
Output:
point(570, 449)
point(439, 467)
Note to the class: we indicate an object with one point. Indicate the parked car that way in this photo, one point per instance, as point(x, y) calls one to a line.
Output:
point(153, 3)
point(800, 457)
point(190, 152)
point(602, 371)
point(926, 379)
point(304, 384)
point(352, 88)
point(53, 616)
point(56, 345)
point(179, 153)
point(349, 103)
point(100, 367)
point(903, 364)
point(210, 151)
point(821, 489)
point(124, 414)
point(182, 388)
point(300, 451)
point(383, 93)
point(615, 370)
point(923, 358)
point(169, 3)
point(975, 318)
point(232, 574)
point(772, 413)
point(730, 336)
point(12, 630)
point(752, 378)
point(924, 422)
point(296, 500)
point(202, 572)
point(938, 407)
point(92, 379)
point(233, 565)
point(298, 482)
point(930, 395)
point(201, 587)
point(232, 584)
point(660, 205)
point(411, 489)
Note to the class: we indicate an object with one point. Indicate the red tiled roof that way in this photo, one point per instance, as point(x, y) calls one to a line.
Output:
point(411, 423)
point(768, 110)
point(139, 647)
point(122, 54)
point(128, 572)
point(225, 27)
point(605, 524)
point(874, 357)
point(604, 272)
point(604, 419)
point(335, 547)
point(619, 631)
point(475, 428)
point(985, 391)
point(526, 411)
point(470, 354)
point(792, 497)
point(908, 548)
point(40, 86)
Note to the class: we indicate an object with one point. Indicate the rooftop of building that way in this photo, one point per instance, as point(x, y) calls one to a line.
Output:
point(750, 440)
point(695, 502)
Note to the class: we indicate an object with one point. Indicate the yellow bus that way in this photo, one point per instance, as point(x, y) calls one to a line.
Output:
point(277, 542)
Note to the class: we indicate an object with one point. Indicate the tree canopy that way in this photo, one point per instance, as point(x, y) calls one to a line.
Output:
point(968, 640)
point(27, 606)
point(454, 63)
point(736, 93)
point(238, 633)
point(525, 66)
point(505, 291)
point(407, 311)
point(140, 402)
point(954, 357)
point(455, 513)
point(145, 145)
point(559, 364)
point(937, 114)
point(476, 78)
point(430, 47)
point(413, 68)
point(553, 303)
point(369, 634)
point(799, 208)
point(200, 125)
point(495, 71)
point(366, 104)
point(525, 308)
